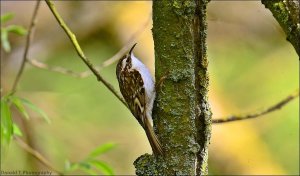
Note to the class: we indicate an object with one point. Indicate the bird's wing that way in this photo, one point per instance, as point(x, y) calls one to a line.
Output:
point(133, 90)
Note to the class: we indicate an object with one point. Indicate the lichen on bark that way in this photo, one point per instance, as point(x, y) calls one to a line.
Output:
point(286, 12)
point(182, 116)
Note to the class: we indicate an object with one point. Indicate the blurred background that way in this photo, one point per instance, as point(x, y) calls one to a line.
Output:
point(252, 66)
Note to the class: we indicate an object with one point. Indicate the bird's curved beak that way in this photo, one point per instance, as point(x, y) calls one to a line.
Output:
point(130, 51)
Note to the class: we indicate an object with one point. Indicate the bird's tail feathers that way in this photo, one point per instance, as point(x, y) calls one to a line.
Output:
point(153, 140)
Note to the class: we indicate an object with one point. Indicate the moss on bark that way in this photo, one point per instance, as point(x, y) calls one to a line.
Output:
point(286, 12)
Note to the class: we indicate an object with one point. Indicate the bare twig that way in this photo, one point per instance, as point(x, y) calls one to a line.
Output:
point(106, 63)
point(79, 51)
point(27, 45)
point(275, 107)
point(57, 69)
point(36, 154)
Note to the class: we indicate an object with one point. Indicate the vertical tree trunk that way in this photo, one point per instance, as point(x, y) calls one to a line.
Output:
point(181, 113)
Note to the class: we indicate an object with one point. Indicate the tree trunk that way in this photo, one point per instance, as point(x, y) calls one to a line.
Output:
point(182, 116)
point(286, 12)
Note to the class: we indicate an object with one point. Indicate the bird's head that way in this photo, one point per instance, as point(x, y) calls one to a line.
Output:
point(126, 61)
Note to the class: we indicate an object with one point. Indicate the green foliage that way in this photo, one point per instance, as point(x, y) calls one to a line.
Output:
point(6, 122)
point(91, 165)
point(102, 149)
point(8, 127)
point(35, 108)
point(16, 130)
point(19, 105)
point(4, 40)
point(105, 169)
point(6, 17)
point(19, 30)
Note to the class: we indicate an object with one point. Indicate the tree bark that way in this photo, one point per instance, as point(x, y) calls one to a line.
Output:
point(286, 12)
point(182, 116)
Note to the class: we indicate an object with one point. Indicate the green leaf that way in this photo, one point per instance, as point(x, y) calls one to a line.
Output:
point(69, 167)
point(17, 130)
point(6, 17)
point(102, 149)
point(86, 167)
point(36, 109)
point(6, 122)
point(84, 164)
point(103, 167)
point(16, 29)
point(4, 40)
point(19, 105)
point(89, 171)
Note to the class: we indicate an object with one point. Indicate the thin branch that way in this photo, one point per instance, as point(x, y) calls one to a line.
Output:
point(57, 69)
point(27, 45)
point(106, 63)
point(270, 109)
point(79, 51)
point(286, 12)
point(36, 154)
point(29, 39)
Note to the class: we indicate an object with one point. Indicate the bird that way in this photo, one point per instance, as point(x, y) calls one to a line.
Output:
point(138, 89)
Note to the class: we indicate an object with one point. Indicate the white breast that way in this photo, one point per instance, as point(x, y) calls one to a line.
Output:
point(148, 82)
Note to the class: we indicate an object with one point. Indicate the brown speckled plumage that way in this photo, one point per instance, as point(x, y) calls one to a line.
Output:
point(133, 89)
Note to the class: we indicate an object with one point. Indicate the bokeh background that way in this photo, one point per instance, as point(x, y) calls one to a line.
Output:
point(251, 66)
